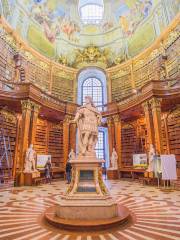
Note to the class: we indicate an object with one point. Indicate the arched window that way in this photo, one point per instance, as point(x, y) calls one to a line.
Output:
point(91, 11)
point(93, 87)
point(100, 146)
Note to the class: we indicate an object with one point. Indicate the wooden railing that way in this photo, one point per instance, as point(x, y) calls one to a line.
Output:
point(21, 91)
point(156, 88)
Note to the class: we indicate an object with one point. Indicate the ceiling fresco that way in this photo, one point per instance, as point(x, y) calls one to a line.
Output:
point(55, 27)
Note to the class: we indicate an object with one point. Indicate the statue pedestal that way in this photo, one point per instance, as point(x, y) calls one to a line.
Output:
point(112, 174)
point(87, 200)
point(28, 178)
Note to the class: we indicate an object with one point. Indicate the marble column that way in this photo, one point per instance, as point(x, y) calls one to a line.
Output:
point(24, 141)
point(165, 116)
point(110, 135)
point(156, 113)
point(72, 140)
point(149, 122)
point(34, 117)
point(16, 152)
point(66, 134)
point(118, 140)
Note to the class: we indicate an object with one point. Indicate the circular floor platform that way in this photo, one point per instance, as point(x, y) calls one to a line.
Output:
point(123, 217)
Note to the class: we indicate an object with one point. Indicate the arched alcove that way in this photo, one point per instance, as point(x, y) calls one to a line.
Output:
point(92, 82)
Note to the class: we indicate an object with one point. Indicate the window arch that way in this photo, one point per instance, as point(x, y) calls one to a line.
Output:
point(91, 11)
point(96, 82)
point(93, 87)
point(100, 146)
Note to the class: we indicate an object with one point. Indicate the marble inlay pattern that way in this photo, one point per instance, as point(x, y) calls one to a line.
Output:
point(155, 214)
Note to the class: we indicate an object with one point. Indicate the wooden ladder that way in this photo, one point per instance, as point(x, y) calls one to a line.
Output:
point(5, 154)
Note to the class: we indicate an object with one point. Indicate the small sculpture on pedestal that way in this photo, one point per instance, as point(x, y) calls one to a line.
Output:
point(30, 160)
point(151, 158)
point(114, 158)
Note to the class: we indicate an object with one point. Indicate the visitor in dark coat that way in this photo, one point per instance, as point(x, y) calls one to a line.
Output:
point(68, 172)
point(48, 171)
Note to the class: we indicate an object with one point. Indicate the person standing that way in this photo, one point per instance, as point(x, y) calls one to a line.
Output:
point(48, 171)
point(68, 172)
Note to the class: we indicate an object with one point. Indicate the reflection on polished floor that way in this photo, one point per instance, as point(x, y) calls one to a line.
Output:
point(155, 213)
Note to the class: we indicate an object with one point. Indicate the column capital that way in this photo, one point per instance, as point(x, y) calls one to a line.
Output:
point(165, 115)
point(145, 106)
point(67, 118)
point(27, 104)
point(36, 107)
point(109, 121)
point(155, 103)
point(116, 118)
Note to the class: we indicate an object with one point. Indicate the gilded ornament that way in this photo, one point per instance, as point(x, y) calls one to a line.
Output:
point(63, 60)
point(8, 116)
point(92, 54)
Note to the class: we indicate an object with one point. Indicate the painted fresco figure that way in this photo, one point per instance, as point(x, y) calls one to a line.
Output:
point(88, 118)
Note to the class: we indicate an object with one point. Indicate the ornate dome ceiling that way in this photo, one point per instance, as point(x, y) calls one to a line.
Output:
point(66, 30)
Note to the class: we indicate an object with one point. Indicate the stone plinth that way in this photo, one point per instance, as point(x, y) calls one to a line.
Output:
point(28, 177)
point(112, 174)
point(87, 198)
point(86, 178)
point(87, 209)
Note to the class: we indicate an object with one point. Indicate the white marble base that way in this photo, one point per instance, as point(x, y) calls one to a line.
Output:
point(87, 199)
point(88, 209)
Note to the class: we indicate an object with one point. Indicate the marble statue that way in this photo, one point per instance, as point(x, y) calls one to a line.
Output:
point(151, 158)
point(30, 160)
point(87, 118)
point(114, 158)
point(71, 155)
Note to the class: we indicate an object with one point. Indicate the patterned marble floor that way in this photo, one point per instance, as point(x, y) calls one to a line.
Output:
point(155, 214)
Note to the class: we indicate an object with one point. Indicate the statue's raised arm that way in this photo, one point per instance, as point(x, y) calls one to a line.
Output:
point(87, 118)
